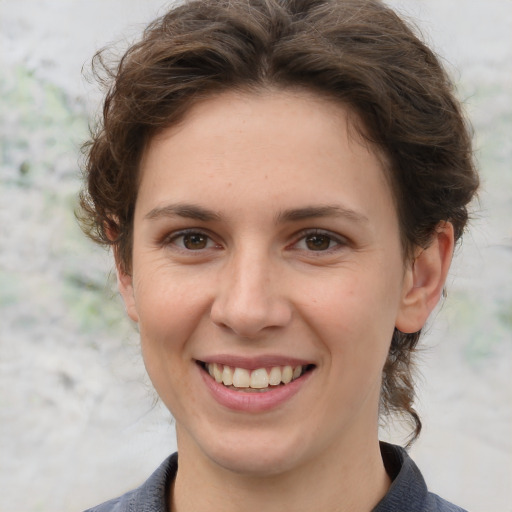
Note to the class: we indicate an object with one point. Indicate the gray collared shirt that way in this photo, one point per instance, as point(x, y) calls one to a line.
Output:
point(408, 491)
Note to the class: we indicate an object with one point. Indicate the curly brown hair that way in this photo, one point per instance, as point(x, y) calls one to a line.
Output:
point(356, 52)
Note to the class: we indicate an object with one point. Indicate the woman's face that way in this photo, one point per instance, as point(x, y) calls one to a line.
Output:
point(265, 237)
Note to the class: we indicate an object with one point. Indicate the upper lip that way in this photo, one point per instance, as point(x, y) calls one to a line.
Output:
point(253, 363)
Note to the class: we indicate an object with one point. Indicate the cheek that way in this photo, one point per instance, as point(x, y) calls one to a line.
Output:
point(164, 292)
point(352, 299)
point(170, 316)
point(170, 308)
point(354, 317)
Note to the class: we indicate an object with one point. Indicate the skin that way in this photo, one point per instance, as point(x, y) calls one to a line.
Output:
point(265, 274)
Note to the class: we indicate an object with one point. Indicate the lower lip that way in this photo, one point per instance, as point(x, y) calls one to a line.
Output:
point(253, 401)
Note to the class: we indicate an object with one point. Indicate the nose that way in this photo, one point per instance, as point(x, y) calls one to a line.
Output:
point(251, 299)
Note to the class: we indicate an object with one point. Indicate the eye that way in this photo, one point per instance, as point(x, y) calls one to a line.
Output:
point(192, 241)
point(318, 241)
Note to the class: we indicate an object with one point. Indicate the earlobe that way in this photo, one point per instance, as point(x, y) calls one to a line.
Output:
point(125, 285)
point(424, 280)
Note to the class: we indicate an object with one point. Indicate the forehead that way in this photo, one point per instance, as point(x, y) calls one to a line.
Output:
point(290, 147)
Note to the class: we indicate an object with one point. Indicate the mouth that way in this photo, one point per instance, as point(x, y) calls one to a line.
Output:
point(257, 380)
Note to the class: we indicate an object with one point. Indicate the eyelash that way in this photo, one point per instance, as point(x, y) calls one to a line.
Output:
point(337, 240)
point(172, 239)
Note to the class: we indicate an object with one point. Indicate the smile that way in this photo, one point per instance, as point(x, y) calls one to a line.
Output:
point(254, 385)
point(259, 379)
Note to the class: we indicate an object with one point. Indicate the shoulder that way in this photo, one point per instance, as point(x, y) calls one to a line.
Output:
point(120, 504)
point(408, 491)
point(151, 496)
point(440, 505)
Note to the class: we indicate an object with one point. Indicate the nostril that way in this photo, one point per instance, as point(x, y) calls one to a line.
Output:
point(249, 321)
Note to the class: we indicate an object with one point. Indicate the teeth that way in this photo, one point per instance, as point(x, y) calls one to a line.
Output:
point(217, 372)
point(241, 378)
point(261, 378)
point(274, 379)
point(227, 376)
point(287, 374)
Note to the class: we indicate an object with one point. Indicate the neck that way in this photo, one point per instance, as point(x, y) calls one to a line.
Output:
point(351, 478)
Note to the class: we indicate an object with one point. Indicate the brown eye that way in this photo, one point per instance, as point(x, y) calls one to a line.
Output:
point(318, 242)
point(195, 241)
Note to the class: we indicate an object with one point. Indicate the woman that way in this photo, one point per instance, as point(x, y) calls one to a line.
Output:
point(283, 183)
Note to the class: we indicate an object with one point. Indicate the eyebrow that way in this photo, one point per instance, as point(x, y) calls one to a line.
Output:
point(191, 211)
point(315, 212)
point(188, 211)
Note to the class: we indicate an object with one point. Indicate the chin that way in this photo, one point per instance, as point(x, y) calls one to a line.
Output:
point(262, 457)
point(254, 463)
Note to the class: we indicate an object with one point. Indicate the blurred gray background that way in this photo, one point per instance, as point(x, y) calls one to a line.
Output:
point(79, 422)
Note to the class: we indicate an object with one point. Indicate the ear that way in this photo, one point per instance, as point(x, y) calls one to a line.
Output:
point(124, 279)
point(125, 285)
point(424, 280)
